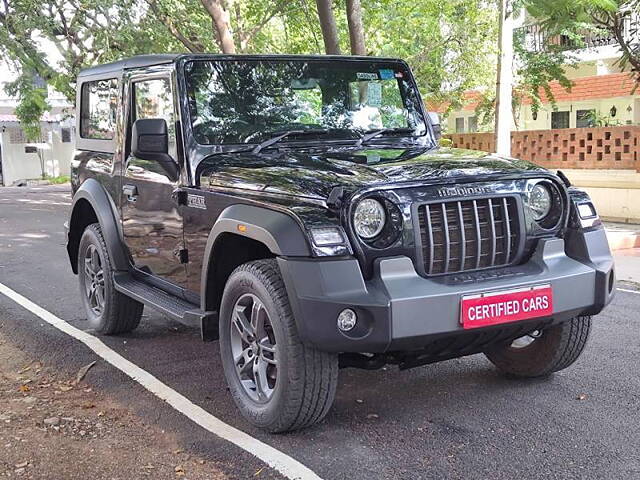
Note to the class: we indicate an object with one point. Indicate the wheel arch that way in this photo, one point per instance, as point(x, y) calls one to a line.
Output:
point(241, 234)
point(91, 204)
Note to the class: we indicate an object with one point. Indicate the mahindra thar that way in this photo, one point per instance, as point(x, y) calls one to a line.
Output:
point(300, 210)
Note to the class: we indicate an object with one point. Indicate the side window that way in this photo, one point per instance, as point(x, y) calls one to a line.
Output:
point(154, 99)
point(99, 103)
point(460, 125)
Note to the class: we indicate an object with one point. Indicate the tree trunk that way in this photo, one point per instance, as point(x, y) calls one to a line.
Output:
point(220, 18)
point(328, 26)
point(356, 30)
point(504, 83)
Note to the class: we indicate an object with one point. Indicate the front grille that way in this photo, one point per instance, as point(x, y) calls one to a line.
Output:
point(466, 235)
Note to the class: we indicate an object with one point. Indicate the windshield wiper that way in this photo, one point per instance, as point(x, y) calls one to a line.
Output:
point(306, 131)
point(276, 139)
point(368, 136)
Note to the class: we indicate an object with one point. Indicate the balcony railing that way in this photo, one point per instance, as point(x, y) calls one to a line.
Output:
point(537, 40)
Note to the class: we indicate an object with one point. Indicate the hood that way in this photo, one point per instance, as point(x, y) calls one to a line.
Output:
point(315, 173)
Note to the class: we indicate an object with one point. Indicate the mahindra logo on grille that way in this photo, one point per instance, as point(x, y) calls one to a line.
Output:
point(462, 191)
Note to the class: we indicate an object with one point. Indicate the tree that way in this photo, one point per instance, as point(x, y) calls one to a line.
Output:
point(575, 18)
point(356, 29)
point(220, 18)
point(328, 27)
point(450, 45)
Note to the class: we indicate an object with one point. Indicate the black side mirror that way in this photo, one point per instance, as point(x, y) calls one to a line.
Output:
point(434, 118)
point(150, 141)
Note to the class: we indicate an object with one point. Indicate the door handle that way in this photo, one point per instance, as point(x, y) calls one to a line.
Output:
point(131, 191)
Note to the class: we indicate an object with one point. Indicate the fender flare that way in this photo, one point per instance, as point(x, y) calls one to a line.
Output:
point(279, 232)
point(105, 209)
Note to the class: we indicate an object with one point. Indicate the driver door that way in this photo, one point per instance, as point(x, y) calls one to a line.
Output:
point(152, 222)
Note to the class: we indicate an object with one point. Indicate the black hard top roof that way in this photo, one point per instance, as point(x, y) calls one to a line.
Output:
point(132, 62)
point(159, 59)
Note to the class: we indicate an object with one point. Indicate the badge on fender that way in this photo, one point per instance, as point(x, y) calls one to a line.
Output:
point(196, 201)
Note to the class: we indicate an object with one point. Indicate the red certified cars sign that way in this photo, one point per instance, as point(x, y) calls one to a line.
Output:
point(493, 308)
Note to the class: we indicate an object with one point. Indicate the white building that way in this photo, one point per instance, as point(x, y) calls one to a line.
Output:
point(22, 160)
point(601, 90)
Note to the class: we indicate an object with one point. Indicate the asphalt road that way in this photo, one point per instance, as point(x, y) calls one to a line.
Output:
point(454, 420)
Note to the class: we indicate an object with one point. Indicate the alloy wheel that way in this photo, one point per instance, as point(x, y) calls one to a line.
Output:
point(94, 280)
point(253, 346)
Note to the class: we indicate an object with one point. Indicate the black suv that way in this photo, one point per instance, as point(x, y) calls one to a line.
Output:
point(300, 210)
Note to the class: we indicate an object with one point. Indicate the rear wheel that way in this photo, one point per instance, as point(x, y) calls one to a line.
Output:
point(543, 352)
point(108, 311)
point(277, 382)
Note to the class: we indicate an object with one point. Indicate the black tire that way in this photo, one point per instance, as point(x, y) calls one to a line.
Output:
point(555, 349)
point(119, 313)
point(306, 379)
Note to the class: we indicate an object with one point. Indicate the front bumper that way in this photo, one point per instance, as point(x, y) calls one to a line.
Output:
point(398, 310)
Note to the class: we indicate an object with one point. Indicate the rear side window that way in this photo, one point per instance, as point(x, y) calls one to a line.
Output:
point(98, 109)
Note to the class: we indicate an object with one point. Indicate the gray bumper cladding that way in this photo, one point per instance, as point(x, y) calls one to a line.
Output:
point(399, 310)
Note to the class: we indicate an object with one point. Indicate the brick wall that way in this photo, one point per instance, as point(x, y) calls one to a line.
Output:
point(595, 148)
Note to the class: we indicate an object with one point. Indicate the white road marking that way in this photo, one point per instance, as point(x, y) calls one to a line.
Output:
point(286, 465)
point(629, 291)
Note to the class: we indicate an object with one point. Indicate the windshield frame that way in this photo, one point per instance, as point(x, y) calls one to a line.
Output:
point(423, 139)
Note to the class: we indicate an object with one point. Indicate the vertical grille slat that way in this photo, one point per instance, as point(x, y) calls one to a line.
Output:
point(430, 230)
point(492, 225)
point(507, 236)
point(463, 238)
point(445, 228)
point(478, 234)
point(466, 235)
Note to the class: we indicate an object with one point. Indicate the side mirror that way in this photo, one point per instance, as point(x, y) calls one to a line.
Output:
point(434, 119)
point(150, 141)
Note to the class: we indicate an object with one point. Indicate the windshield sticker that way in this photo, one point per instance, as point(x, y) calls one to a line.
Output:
point(366, 76)
point(386, 74)
point(372, 158)
point(374, 95)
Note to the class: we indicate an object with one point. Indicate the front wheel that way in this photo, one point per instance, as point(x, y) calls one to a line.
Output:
point(543, 352)
point(277, 382)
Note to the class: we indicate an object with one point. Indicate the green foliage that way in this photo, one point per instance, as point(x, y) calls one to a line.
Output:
point(576, 18)
point(32, 104)
point(538, 69)
point(598, 120)
point(59, 179)
point(450, 44)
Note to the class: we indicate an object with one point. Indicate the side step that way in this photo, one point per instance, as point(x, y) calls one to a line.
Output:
point(177, 308)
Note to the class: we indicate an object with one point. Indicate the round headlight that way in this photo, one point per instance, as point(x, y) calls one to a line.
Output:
point(369, 218)
point(540, 201)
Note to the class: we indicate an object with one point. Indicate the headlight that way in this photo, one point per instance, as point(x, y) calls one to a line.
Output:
point(540, 201)
point(369, 218)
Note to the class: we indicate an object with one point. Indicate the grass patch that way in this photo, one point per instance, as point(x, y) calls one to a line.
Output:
point(59, 180)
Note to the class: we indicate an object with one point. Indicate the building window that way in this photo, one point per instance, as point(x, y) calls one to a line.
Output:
point(98, 109)
point(65, 134)
point(16, 135)
point(473, 124)
point(584, 118)
point(559, 120)
point(460, 125)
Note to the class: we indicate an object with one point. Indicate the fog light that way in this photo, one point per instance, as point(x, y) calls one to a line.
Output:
point(347, 320)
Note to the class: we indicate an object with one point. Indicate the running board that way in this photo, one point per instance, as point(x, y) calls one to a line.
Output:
point(177, 308)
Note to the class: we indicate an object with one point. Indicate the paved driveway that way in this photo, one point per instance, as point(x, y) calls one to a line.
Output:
point(456, 419)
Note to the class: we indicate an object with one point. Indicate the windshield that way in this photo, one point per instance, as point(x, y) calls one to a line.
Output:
point(248, 101)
